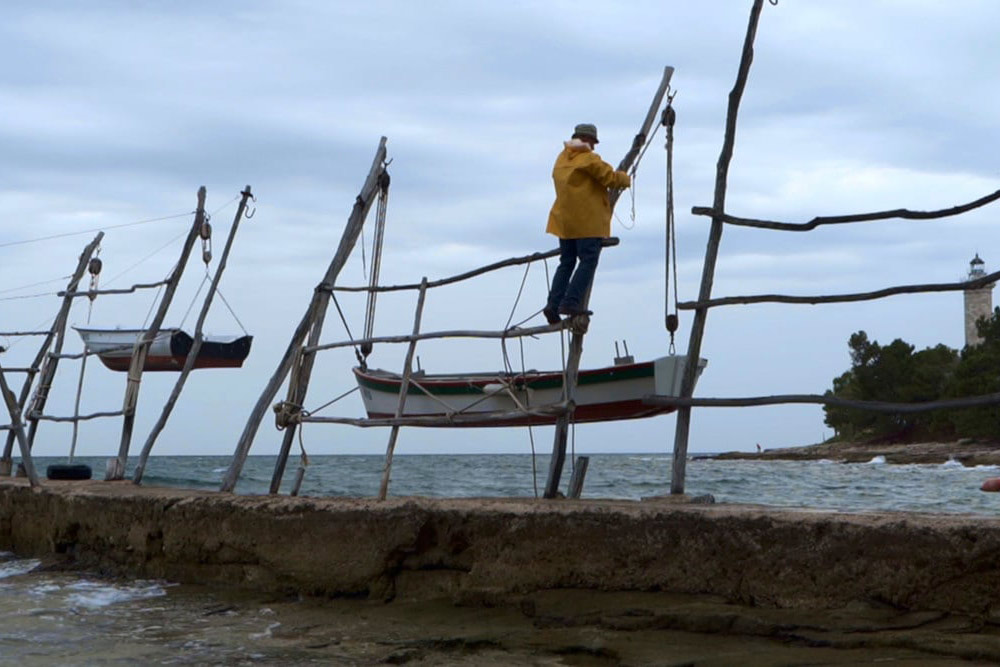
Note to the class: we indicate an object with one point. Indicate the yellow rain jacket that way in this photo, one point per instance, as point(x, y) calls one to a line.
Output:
point(582, 209)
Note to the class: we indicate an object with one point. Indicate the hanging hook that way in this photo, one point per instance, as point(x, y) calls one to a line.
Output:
point(249, 213)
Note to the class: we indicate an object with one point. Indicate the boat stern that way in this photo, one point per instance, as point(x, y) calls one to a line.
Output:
point(669, 371)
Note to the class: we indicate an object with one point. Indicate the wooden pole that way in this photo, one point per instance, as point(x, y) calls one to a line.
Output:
point(57, 334)
point(18, 429)
point(403, 389)
point(711, 254)
point(298, 385)
point(195, 345)
point(579, 473)
point(141, 349)
point(322, 293)
point(558, 458)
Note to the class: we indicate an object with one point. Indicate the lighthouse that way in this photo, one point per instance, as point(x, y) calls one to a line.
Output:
point(978, 301)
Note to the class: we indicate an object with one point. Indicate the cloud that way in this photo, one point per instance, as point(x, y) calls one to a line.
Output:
point(117, 112)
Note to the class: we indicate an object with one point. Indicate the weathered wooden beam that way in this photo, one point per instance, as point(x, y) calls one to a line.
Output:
point(43, 363)
point(350, 236)
point(11, 334)
point(298, 385)
point(457, 419)
point(903, 213)
point(843, 298)
point(80, 418)
point(401, 405)
point(820, 399)
point(514, 261)
point(199, 338)
point(647, 124)
point(514, 332)
point(18, 429)
point(579, 473)
point(72, 294)
point(558, 458)
point(141, 350)
point(711, 252)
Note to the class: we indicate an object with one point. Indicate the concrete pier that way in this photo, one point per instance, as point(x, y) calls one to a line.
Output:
point(494, 550)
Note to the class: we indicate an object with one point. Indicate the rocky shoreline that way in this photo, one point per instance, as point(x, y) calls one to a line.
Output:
point(967, 451)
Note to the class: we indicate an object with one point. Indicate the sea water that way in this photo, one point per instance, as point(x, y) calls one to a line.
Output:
point(72, 618)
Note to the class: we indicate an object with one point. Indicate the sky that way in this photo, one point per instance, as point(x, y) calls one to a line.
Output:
point(114, 112)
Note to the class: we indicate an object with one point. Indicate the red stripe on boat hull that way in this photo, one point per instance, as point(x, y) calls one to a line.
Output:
point(169, 363)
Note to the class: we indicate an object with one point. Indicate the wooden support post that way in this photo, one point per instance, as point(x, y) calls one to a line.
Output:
point(199, 338)
point(404, 388)
point(711, 254)
point(18, 429)
point(563, 422)
point(321, 294)
point(141, 349)
point(56, 334)
point(576, 342)
point(579, 473)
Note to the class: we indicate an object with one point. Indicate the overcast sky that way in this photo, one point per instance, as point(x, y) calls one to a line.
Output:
point(116, 112)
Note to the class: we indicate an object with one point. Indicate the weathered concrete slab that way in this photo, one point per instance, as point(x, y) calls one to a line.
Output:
point(483, 550)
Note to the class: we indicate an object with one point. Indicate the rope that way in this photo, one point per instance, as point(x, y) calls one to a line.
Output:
point(27, 296)
point(633, 172)
point(227, 204)
point(231, 311)
point(343, 319)
point(43, 282)
point(149, 256)
point(286, 414)
point(150, 311)
point(329, 403)
point(89, 231)
point(191, 305)
point(531, 434)
point(670, 251)
point(380, 211)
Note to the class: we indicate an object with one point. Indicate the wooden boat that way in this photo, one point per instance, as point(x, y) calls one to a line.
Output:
point(603, 394)
point(168, 350)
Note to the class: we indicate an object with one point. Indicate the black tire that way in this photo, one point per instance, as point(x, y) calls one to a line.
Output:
point(63, 471)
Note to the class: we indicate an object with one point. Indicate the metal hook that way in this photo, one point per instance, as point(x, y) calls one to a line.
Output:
point(247, 213)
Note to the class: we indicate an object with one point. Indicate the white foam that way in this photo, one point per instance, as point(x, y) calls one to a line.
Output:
point(952, 463)
point(18, 567)
point(267, 634)
point(95, 594)
point(877, 459)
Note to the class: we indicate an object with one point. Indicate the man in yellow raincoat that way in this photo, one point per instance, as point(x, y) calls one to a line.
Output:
point(580, 217)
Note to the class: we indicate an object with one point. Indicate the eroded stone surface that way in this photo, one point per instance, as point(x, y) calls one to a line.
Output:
point(898, 581)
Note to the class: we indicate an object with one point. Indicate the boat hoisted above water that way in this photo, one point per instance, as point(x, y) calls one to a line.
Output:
point(168, 350)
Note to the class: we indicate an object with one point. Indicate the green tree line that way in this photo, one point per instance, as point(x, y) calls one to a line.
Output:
point(898, 373)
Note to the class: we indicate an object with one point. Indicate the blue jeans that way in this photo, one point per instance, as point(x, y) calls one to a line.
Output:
point(569, 287)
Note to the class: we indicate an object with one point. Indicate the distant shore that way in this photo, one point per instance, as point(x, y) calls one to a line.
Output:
point(967, 451)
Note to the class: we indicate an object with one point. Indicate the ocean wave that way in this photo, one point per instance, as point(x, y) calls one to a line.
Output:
point(95, 594)
point(877, 460)
point(18, 567)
